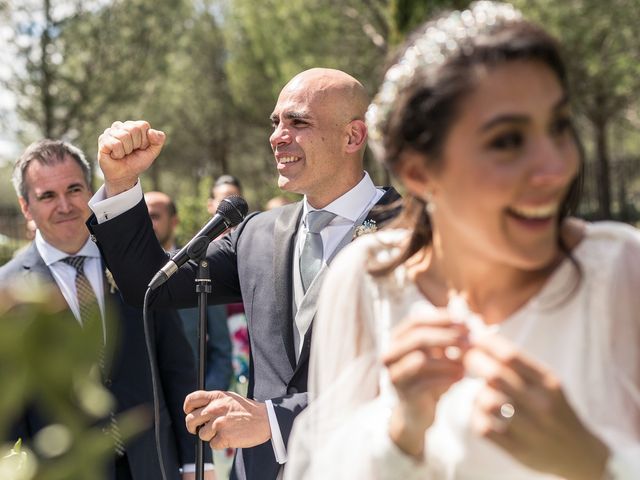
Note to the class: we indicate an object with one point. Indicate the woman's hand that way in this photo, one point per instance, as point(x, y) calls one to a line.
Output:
point(424, 360)
point(522, 409)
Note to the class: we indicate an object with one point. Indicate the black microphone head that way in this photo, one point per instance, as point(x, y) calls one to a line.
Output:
point(233, 209)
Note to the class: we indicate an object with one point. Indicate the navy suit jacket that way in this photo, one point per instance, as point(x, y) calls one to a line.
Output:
point(129, 378)
point(254, 265)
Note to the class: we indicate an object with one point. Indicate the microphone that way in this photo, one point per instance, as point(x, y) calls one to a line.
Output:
point(230, 213)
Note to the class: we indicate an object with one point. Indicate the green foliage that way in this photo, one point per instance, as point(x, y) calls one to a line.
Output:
point(602, 50)
point(48, 362)
point(208, 72)
point(271, 41)
point(602, 54)
point(79, 65)
point(408, 14)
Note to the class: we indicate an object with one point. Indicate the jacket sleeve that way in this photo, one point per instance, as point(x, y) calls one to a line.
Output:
point(133, 255)
point(287, 409)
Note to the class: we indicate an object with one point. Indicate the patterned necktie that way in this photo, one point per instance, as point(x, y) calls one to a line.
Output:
point(91, 320)
point(89, 310)
point(313, 250)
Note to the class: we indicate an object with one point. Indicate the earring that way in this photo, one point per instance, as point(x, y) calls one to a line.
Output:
point(430, 206)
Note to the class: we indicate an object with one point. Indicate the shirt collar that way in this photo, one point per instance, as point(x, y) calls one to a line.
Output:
point(351, 203)
point(51, 254)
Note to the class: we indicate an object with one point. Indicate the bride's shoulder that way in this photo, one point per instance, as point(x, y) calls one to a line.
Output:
point(377, 247)
point(606, 250)
point(358, 262)
point(602, 239)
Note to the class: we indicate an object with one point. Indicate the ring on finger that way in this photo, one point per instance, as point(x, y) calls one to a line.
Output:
point(507, 411)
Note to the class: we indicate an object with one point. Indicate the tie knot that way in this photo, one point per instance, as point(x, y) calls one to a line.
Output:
point(76, 262)
point(318, 219)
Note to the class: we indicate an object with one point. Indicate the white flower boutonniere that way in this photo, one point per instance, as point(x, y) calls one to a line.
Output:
point(368, 226)
point(113, 288)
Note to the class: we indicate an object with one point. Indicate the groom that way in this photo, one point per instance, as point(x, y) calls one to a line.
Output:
point(273, 262)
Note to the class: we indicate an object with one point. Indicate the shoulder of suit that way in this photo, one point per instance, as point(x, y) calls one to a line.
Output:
point(17, 264)
point(270, 216)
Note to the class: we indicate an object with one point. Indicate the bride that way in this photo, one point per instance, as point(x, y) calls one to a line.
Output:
point(490, 335)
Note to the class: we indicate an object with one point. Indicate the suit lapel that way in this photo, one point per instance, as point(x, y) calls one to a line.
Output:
point(34, 264)
point(36, 273)
point(285, 229)
point(387, 208)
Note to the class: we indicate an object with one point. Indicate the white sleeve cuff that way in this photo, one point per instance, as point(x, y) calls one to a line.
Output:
point(107, 208)
point(388, 459)
point(191, 467)
point(623, 463)
point(279, 449)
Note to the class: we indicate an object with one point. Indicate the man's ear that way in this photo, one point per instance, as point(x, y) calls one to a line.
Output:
point(356, 136)
point(412, 171)
point(24, 206)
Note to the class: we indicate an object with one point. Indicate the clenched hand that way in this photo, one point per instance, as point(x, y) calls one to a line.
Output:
point(125, 150)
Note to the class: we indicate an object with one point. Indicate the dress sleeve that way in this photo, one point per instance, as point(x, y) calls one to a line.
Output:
point(624, 339)
point(343, 434)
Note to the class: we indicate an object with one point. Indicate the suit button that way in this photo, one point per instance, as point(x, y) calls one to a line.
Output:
point(107, 382)
point(293, 390)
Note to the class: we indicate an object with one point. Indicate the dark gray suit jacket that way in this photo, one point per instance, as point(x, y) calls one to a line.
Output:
point(254, 265)
point(129, 378)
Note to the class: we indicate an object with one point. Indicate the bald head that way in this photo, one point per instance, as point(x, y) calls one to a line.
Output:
point(319, 135)
point(164, 217)
point(158, 198)
point(335, 87)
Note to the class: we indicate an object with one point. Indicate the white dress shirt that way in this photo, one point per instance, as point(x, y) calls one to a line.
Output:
point(65, 275)
point(348, 208)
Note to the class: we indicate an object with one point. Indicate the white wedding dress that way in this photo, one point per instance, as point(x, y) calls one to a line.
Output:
point(586, 329)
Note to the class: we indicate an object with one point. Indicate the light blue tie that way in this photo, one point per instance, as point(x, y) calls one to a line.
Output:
point(312, 251)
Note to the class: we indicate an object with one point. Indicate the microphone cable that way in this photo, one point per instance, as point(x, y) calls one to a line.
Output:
point(154, 381)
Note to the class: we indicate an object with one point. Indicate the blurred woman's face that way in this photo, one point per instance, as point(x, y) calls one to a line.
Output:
point(507, 164)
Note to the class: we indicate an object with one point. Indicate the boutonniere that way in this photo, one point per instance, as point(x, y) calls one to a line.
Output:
point(368, 226)
point(113, 288)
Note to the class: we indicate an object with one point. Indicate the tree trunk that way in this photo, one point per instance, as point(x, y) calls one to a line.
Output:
point(153, 175)
point(602, 169)
point(47, 76)
point(623, 211)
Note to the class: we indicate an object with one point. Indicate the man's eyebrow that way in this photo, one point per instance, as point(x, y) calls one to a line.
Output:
point(43, 194)
point(292, 115)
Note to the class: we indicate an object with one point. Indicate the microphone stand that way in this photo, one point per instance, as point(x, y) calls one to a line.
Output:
point(198, 253)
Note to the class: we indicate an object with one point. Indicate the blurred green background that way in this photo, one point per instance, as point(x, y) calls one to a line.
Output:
point(49, 363)
point(208, 73)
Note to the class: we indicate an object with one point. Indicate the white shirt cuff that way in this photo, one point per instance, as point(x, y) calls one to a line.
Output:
point(191, 467)
point(279, 449)
point(107, 208)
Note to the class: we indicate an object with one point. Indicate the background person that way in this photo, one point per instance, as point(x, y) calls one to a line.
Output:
point(224, 186)
point(277, 201)
point(318, 143)
point(492, 336)
point(51, 179)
